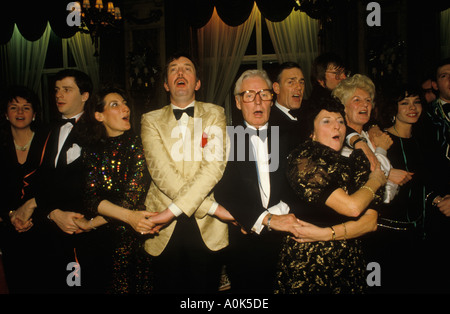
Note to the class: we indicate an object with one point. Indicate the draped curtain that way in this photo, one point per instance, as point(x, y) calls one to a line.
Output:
point(445, 33)
point(296, 39)
point(83, 53)
point(23, 60)
point(221, 49)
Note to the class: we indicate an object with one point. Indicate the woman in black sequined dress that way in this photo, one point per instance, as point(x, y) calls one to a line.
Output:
point(333, 189)
point(117, 181)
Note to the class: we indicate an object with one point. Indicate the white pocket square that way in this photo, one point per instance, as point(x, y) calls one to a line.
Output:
point(73, 153)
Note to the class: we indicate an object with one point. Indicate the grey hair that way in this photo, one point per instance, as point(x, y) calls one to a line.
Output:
point(347, 87)
point(248, 74)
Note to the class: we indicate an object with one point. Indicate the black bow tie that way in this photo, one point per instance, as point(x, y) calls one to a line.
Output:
point(294, 112)
point(64, 121)
point(262, 134)
point(179, 112)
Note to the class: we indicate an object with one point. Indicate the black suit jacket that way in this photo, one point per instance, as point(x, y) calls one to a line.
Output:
point(238, 190)
point(293, 130)
point(252, 258)
point(61, 186)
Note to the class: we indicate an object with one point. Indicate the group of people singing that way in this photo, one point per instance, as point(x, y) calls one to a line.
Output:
point(297, 197)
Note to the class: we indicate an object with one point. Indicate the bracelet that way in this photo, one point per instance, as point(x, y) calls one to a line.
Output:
point(268, 222)
point(359, 140)
point(333, 234)
point(435, 202)
point(90, 222)
point(370, 189)
point(345, 231)
point(428, 195)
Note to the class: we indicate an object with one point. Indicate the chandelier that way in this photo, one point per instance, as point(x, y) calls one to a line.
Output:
point(97, 20)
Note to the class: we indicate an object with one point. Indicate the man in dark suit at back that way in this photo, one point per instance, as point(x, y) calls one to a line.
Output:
point(59, 199)
point(289, 88)
point(250, 193)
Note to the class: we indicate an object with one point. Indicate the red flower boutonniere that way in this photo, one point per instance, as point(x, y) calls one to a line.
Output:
point(204, 139)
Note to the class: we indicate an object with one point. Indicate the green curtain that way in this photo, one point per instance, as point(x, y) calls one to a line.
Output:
point(296, 39)
point(23, 60)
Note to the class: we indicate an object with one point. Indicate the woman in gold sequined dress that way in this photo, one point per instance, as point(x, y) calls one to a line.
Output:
point(335, 192)
point(117, 182)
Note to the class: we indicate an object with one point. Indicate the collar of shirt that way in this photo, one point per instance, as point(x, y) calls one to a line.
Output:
point(75, 116)
point(264, 127)
point(176, 107)
point(442, 101)
point(285, 111)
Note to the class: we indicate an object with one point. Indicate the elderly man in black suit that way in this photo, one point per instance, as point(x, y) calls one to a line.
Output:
point(250, 193)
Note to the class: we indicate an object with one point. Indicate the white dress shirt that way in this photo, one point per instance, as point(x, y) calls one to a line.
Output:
point(261, 153)
point(391, 189)
point(64, 132)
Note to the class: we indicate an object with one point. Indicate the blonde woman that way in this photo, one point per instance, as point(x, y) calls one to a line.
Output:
point(357, 94)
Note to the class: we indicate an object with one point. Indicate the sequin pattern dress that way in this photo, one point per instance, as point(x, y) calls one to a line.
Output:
point(314, 171)
point(117, 172)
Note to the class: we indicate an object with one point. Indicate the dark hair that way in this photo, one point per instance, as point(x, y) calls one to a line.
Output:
point(82, 80)
point(390, 100)
point(97, 129)
point(286, 66)
point(177, 56)
point(104, 91)
point(441, 63)
point(12, 92)
point(321, 63)
point(328, 103)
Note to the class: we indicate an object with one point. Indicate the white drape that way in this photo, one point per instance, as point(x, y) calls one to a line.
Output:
point(83, 53)
point(221, 49)
point(445, 33)
point(23, 60)
point(296, 39)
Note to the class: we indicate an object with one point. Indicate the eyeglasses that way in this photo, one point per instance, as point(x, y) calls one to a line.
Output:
point(338, 74)
point(250, 95)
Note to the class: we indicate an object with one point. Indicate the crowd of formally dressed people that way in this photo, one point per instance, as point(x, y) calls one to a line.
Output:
point(296, 197)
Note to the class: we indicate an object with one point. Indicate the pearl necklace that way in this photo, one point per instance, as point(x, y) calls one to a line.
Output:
point(25, 147)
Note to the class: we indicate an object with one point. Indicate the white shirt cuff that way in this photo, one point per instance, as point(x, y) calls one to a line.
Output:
point(347, 139)
point(212, 209)
point(175, 209)
point(381, 151)
point(279, 209)
point(258, 226)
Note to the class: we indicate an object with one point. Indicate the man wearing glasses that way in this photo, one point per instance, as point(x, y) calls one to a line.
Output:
point(327, 71)
point(251, 191)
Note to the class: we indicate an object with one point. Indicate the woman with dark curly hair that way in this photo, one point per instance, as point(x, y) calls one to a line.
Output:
point(404, 222)
point(334, 190)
